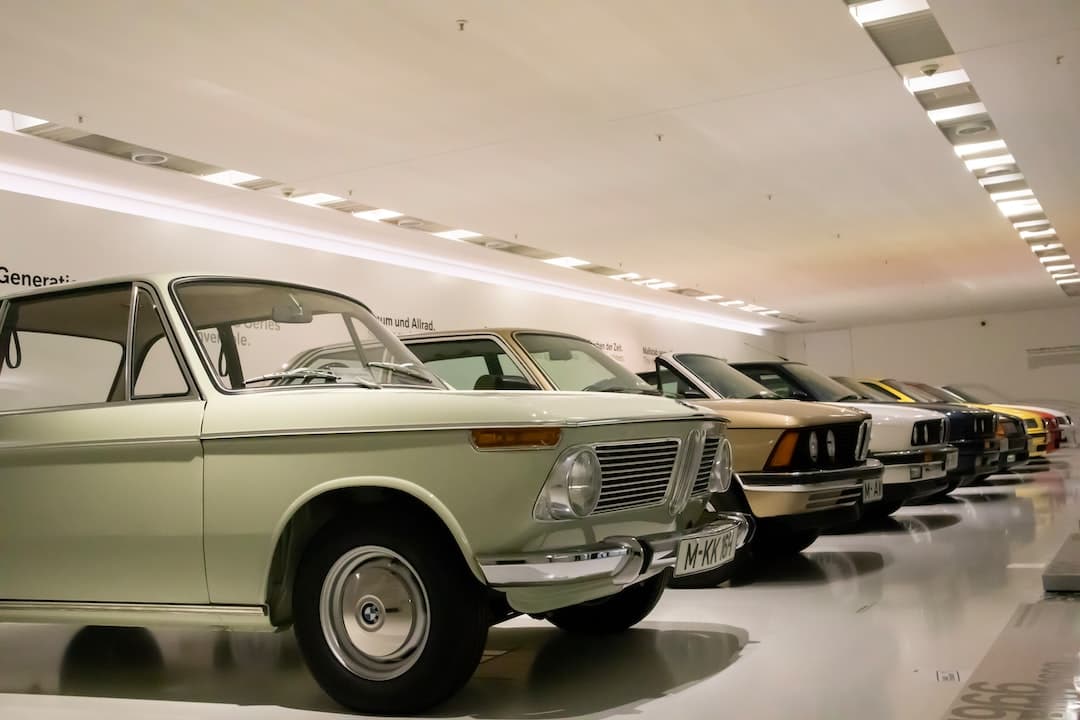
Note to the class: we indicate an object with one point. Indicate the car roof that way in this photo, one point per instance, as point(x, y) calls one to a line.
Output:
point(504, 332)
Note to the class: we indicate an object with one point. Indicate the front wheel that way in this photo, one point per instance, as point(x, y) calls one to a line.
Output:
point(612, 614)
point(390, 621)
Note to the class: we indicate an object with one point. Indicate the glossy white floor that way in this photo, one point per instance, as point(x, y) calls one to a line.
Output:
point(875, 625)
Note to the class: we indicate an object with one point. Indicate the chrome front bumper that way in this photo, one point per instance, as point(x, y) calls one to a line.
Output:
point(917, 464)
point(772, 494)
point(619, 560)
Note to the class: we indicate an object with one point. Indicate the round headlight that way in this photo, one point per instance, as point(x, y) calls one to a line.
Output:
point(723, 468)
point(812, 446)
point(830, 444)
point(915, 435)
point(583, 482)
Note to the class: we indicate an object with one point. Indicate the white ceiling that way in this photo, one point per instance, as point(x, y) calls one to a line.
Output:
point(794, 170)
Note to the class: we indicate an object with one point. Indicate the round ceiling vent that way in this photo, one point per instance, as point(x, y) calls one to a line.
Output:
point(971, 128)
point(149, 158)
point(409, 223)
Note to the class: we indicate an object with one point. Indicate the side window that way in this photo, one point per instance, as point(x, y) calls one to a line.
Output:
point(467, 364)
point(155, 368)
point(65, 349)
point(771, 380)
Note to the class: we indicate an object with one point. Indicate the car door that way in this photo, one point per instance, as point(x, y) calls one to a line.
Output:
point(100, 458)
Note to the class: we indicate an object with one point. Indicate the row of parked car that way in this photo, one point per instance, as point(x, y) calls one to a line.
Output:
point(256, 455)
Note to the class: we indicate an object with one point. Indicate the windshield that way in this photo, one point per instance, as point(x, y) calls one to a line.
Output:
point(724, 379)
point(268, 335)
point(982, 394)
point(574, 364)
point(914, 391)
point(937, 393)
point(820, 387)
point(865, 391)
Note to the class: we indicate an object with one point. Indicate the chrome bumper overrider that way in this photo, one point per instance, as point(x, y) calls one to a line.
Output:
point(621, 560)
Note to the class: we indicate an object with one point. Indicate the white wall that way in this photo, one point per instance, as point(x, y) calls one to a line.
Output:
point(961, 349)
point(40, 237)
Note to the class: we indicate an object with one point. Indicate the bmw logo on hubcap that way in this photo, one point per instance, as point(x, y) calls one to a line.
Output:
point(370, 614)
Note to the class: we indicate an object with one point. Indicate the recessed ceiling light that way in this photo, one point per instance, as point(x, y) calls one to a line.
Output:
point(989, 162)
point(1053, 258)
point(1001, 178)
point(567, 262)
point(1030, 224)
point(979, 147)
point(149, 158)
point(458, 234)
point(733, 302)
point(1038, 234)
point(1067, 281)
point(314, 199)
point(1059, 268)
point(1012, 208)
point(377, 215)
point(1047, 246)
point(709, 298)
point(956, 112)
point(923, 83)
point(625, 276)
point(1011, 195)
point(770, 312)
point(229, 177)
point(878, 10)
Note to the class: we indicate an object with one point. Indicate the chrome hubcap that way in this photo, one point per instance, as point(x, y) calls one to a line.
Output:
point(374, 612)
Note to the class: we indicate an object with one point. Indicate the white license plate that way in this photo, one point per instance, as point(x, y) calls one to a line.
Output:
point(1011, 458)
point(952, 461)
point(704, 553)
point(872, 489)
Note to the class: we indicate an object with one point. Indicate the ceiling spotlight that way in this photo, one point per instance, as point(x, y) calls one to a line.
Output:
point(979, 147)
point(1038, 234)
point(458, 234)
point(1013, 208)
point(990, 162)
point(956, 112)
point(145, 157)
point(709, 298)
point(229, 177)
point(315, 199)
point(377, 215)
point(625, 276)
point(567, 262)
point(1011, 195)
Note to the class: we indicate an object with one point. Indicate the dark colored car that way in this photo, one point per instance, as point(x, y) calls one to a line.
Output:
point(971, 431)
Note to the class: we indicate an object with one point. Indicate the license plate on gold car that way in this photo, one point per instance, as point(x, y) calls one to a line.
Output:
point(872, 489)
point(708, 552)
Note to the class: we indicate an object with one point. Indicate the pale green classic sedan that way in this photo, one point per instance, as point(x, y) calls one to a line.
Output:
point(164, 460)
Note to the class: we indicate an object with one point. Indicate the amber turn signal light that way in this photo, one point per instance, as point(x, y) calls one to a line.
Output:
point(503, 438)
point(784, 451)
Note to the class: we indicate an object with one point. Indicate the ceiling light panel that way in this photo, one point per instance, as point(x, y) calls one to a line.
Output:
point(1060, 268)
point(1015, 208)
point(732, 303)
point(315, 199)
point(230, 177)
point(1045, 259)
point(1030, 224)
point(1011, 195)
point(923, 83)
point(377, 215)
point(709, 298)
point(876, 11)
point(1067, 281)
point(458, 234)
point(989, 162)
point(1038, 234)
point(969, 149)
point(567, 262)
point(625, 276)
point(956, 112)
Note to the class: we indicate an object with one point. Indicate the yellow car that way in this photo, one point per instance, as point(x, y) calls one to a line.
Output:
point(920, 392)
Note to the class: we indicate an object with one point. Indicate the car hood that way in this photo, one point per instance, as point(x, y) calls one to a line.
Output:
point(779, 413)
point(1037, 409)
point(347, 408)
point(893, 423)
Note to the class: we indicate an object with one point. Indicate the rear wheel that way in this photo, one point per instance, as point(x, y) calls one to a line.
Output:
point(612, 614)
point(388, 621)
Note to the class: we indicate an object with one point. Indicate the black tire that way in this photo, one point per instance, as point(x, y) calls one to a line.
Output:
point(783, 543)
point(736, 568)
point(418, 567)
point(612, 614)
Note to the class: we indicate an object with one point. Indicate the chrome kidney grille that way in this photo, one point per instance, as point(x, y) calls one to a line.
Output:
point(635, 474)
point(708, 457)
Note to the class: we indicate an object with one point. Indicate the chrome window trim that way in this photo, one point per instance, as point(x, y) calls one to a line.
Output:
point(174, 345)
point(690, 376)
point(525, 369)
point(8, 446)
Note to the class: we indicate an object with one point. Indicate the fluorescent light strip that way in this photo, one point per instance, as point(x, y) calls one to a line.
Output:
point(1068, 281)
point(1053, 259)
point(1059, 268)
point(662, 286)
point(1057, 275)
point(709, 298)
point(229, 177)
point(377, 215)
point(987, 162)
point(1013, 208)
point(956, 112)
point(567, 262)
point(625, 276)
point(1002, 178)
point(1038, 234)
point(941, 79)
point(28, 181)
point(731, 303)
point(457, 234)
point(1046, 247)
point(770, 312)
point(315, 199)
point(1029, 224)
point(968, 149)
point(879, 10)
point(1011, 195)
